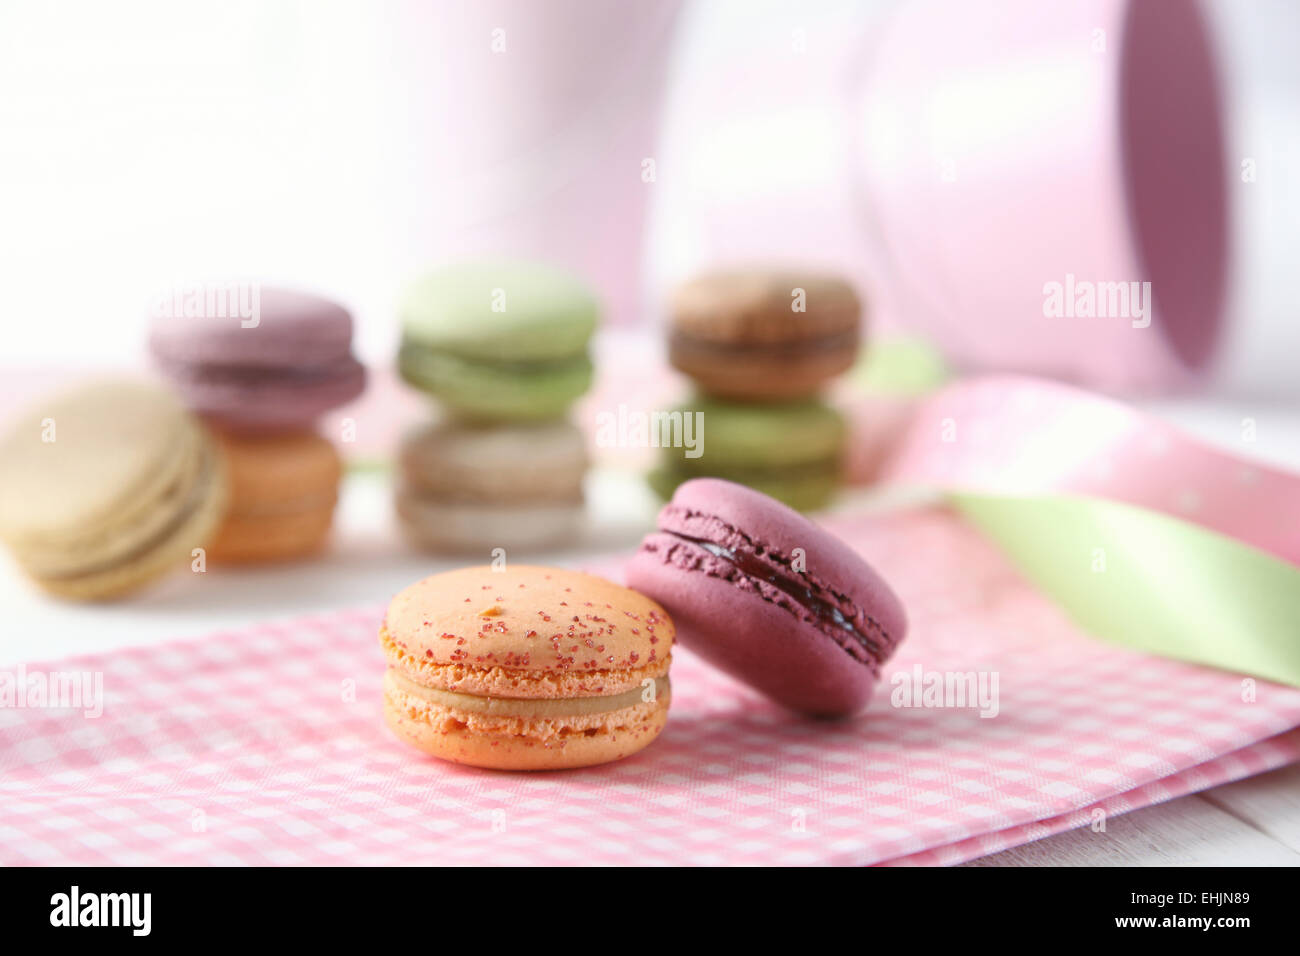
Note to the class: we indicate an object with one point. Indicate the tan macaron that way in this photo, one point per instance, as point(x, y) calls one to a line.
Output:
point(526, 668)
point(283, 489)
point(105, 488)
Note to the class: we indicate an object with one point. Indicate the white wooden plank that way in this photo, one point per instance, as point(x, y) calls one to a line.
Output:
point(1269, 802)
point(1184, 832)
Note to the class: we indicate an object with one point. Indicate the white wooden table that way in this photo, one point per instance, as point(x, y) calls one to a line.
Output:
point(1251, 822)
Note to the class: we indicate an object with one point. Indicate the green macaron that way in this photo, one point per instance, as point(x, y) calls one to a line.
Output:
point(499, 341)
point(792, 451)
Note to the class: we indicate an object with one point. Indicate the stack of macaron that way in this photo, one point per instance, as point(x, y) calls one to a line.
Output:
point(759, 346)
point(502, 348)
point(105, 488)
point(262, 379)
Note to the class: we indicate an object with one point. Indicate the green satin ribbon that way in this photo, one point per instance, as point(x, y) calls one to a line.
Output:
point(1152, 582)
point(1128, 575)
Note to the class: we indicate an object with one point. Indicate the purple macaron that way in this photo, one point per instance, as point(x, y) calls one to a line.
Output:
point(255, 357)
point(764, 594)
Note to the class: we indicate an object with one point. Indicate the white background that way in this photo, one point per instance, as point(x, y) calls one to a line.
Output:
point(146, 142)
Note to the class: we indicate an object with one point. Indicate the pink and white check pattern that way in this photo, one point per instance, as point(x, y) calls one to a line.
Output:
point(266, 747)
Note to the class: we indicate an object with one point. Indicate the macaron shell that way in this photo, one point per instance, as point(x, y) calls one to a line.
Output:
point(263, 402)
point(497, 392)
point(531, 619)
point(283, 489)
point(739, 434)
point(126, 486)
point(757, 306)
point(169, 554)
point(761, 375)
point(708, 508)
point(273, 537)
point(281, 472)
point(451, 461)
point(138, 523)
point(500, 312)
point(443, 733)
point(478, 528)
point(294, 329)
point(113, 446)
point(761, 334)
point(792, 451)
point(804, 489)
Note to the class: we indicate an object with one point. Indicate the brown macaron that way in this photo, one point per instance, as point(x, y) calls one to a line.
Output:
point(763, 335)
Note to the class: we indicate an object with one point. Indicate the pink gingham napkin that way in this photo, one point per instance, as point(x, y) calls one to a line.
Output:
point(266, 746)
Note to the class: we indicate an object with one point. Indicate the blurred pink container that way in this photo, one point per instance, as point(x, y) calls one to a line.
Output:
point(1011, 144)
point(528, 127)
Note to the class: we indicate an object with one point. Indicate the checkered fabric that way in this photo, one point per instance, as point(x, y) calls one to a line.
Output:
point(266, 746)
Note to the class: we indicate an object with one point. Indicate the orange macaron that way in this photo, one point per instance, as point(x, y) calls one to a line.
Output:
point(526, 668)
point(283, 488)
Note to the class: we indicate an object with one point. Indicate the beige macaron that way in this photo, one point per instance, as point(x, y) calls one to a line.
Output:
point(470, 488)
point(526, 668)
point(107, 487)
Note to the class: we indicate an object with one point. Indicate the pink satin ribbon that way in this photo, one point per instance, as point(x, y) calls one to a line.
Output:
point(1011, 435)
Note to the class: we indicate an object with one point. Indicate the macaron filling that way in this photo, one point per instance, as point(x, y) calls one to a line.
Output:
point(830, 617)
point(750, 474)
point(531, 707)
point(686, 536)
point(411, 353)
point(243, 374)
point(806, 346)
